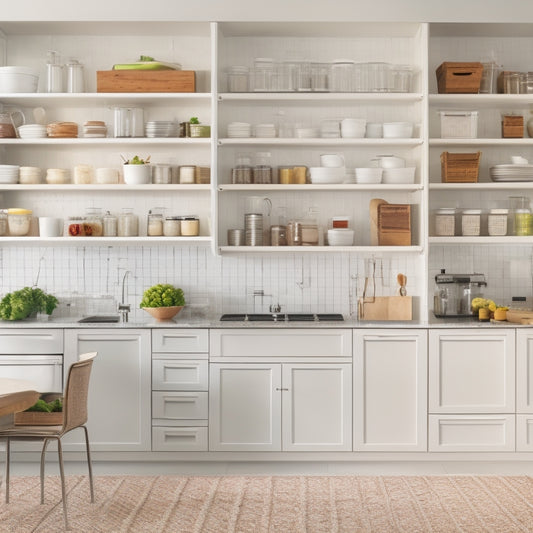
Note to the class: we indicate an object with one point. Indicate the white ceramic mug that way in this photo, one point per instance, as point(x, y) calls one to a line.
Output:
point(50, 226)
point(332, 160)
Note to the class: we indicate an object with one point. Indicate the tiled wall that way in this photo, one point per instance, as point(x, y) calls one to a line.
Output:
point(306, 282)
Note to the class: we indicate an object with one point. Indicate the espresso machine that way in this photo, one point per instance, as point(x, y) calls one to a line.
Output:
point(454, 294)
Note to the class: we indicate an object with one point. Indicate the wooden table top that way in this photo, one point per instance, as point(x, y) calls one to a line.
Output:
point(16, 395)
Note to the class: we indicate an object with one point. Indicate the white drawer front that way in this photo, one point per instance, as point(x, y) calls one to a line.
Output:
point(180, 340)
point(179, 375)
point(524, 433)
point(179, 405)
point(176, 439)
point(282, 343)
point(471, 433)
point(31, 341)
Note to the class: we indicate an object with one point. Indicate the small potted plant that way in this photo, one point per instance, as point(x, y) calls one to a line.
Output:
point(137, 171)
point(197, 129)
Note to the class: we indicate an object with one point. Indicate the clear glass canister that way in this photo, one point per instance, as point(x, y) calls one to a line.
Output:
point(172, 227)
point(19, 221)
point(238, 79)
point(154, 223)
point(109, 223)
point(242, 171)
point(93, 222)
point(445, 222)
point(471, 222)
point(190, 226)
point(523, 222)
point(262, 171)
point(497, 222)
point(342, 76)
point(128, 223)
point(3, 222)
point(162, 174)
point(262, 74)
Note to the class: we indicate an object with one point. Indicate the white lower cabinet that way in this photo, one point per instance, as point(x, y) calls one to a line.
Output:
point(390, 390)
point(274, 407)
point(119, 392)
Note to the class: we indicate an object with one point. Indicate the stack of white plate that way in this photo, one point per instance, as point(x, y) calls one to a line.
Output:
point(265, 130)
point(9, 173)
point(32, 131)
point(239, 129)
point(511, 173)
point(160, 128)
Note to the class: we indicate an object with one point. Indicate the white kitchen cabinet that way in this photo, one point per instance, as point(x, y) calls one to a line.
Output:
point(274, 407)
point(119, 392)
point(524, 433)
point(471, 371)
point(390, 390)
point(524, 371)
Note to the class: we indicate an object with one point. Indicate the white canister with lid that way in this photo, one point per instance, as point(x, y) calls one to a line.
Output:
point(497, 222)
point(471, 222)
point(57, 176)
point(445, 222)
point(19, 221)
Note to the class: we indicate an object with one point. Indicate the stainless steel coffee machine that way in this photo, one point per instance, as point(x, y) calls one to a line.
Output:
point(454, 294)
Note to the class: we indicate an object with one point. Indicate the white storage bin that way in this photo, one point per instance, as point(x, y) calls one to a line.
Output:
point(458, 124)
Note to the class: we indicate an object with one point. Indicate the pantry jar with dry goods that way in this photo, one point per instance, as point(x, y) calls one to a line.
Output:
point(172, 226)
point(471, 222)
point(93, 222)
point(445, 222)
point(128, 223)
point(497, 222)
point(19, 221)
point(154, 223)
point(3, 222)
point(109, 225)
point(190, 226)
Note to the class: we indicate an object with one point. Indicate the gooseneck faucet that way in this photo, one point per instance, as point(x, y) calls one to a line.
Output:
point(123, 307)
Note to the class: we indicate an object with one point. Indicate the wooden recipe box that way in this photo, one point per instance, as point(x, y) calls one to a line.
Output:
point(460, 78)
point(459, 168)
point(145, 81)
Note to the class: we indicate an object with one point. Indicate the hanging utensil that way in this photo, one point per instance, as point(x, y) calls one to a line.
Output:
point(402, 282)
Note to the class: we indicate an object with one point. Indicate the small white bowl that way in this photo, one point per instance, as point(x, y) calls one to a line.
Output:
point(327, 174)
point(368, 175)
point(307, 133)
point(353, 128)
point(340, 237)
point(398, 175)
point(18, 80)
point(397, 130)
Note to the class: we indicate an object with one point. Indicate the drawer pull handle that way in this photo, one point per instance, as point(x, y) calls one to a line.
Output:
point(181, 436)
point(181, 400)
point(281, 389)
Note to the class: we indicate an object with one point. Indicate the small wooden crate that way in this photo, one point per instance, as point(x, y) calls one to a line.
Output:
point(145, 81)
point(394, 225)
point(455, 77)
point(512, 126)
point(459, 168)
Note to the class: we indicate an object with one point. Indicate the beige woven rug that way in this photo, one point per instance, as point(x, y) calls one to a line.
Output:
point(274, 504)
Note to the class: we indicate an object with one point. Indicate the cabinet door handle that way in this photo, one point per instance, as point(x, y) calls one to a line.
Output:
point(281, 389)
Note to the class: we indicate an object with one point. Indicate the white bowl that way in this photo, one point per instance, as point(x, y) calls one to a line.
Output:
point(368, 175)
point(397, 130)
point(374, 130)
point(340, 237)
point(137, 174)
point(18, 80)
point(327, 174)
point(353, 128)
point(398, 175)
point(307, 133)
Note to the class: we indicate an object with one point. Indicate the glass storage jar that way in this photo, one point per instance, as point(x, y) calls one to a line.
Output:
point(471, 222)
point(19, 221)
point(172, 227)
point(238, 79)
point(190, 226)
point(262, 171)
point(75, 226)
point(154, 224)
point(128, 223)
point(342, 76)
point(523, 222)
point(445, 222)
point(93, 222)
point(242, 172)
point(3, 222)
point(497, 222)
point(319, 73)
point(109, 224)
point(262, 74)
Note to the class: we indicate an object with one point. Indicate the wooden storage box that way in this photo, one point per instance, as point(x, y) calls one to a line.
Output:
point(512, 126)
point(144, 81)
point(394, 225)
point(455, 77)
point(386, 308)
point(459, 168)
point(35, 418)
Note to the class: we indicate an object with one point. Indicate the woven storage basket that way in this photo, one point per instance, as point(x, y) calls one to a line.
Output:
point(454, 77)
point(394, 225)
point(459, 168)
point(512, 126)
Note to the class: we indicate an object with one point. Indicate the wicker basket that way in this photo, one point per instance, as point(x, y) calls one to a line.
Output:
point(459, 77)
point(459, 168)
point(394, 225)
point(512, 126)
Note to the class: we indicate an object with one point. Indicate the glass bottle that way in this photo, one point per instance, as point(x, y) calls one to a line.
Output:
point(128, 223)
point(54, 73)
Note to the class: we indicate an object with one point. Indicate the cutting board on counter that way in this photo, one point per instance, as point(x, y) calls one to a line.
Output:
point(386, 308)
point(519, 316)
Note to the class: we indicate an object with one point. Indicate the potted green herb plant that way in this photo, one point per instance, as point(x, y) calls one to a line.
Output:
point(137, 171)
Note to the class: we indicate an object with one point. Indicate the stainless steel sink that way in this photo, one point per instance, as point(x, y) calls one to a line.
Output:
point(95, 319)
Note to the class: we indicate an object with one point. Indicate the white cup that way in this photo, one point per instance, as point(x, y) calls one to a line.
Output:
point(332, 160)
point(50, 226)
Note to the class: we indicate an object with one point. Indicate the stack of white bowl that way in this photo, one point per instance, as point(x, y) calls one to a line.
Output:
point(265, 130)
point(18, 80)
point(398, 130)
point(9, 173)
point(331, 171)
point(30, 175)
point(340, 237)
point(239, 129)
point(353, 128)
point(32, 131)
point(394, 169)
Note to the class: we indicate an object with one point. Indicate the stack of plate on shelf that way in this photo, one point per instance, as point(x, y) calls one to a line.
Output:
point(265, 130)
point(511, 173)
point(32, 131)
point(94, 128)
point(239, 129)
point(9, 173)
point(160, 128)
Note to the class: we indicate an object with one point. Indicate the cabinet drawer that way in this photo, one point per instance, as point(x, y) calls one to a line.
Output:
point(31, 341)
point(180, 340)
point(287, 343)
point(475, 433)
point(179, 405)
point(181, 439)
point(524, 433)
point(179, 375)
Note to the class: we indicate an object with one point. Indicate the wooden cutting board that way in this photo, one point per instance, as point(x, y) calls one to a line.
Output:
point(386, 308)
point(518, 316)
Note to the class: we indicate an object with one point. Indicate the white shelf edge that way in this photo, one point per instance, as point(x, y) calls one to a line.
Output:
point(104, 240)
point(242, 141)
point(481, 240)
point(322, 187)
point(479, 142)
point(323, 97)
point(112, 187)
point(103, 97)
point(325, 249)
point(481, 100)
point(80, 141)
point(481, 186)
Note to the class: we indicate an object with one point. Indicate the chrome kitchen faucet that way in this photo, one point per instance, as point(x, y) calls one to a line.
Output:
point(124, 308)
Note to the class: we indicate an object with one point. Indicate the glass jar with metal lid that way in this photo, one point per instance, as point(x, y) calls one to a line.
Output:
point(93, 222)
point(190, 226)
point(172, 226)
point(109, 225)
point(154, 226)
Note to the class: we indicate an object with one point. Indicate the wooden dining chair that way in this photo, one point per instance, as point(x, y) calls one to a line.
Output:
point(75, 415)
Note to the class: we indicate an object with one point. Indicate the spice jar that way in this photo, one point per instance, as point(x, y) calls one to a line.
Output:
point(190, 226)
point(128, 223)
point(19, 221)
point(172, 227)
point(3, 222)
point(497, 222)
point(445, 222)
point(471, 222)
point(109, 223)
point(154, 226)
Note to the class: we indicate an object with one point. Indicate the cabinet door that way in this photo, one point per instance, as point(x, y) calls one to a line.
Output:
point(316, 407)
point(524, 371)
point(119, 391)
point(245, 407)
point(472, 371)
point(390, 390)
